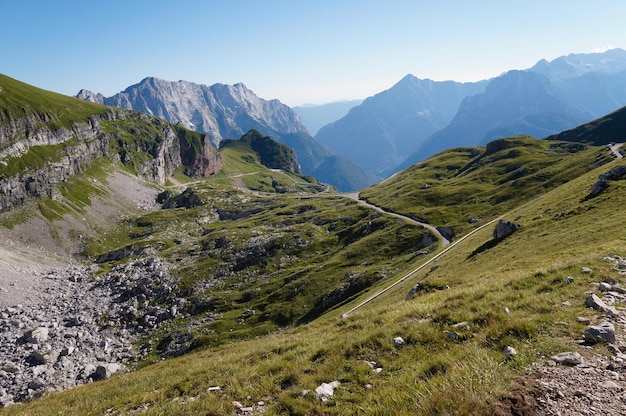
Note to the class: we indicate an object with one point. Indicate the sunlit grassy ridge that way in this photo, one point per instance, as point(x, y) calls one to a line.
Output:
point(19, 100)
point(460, 187)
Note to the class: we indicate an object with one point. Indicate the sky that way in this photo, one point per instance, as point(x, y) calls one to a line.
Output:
point(297, 51)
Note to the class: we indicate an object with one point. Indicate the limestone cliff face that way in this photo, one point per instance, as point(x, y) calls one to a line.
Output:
point(116, 134)
point(221, 111)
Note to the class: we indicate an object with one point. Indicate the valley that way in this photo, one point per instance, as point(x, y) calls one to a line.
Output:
point(164, 275)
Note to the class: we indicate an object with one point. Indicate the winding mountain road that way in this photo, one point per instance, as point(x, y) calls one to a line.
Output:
point(356, 197)
point(412, 272)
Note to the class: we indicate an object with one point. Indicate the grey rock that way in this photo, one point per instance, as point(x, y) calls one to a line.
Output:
point(598, 333)
point(105, 371)
point(504, 229)
point(326, 390)
point(398, 342)
point(568, 358)
point(610, 384)
point(452, 334)
point(36, 358)
point(596, 303)
point(509, 351)
point(37, 336)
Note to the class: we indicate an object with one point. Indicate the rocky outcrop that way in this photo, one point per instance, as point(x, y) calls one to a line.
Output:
point(615, 174)
point(504, 229)
point(69, 151)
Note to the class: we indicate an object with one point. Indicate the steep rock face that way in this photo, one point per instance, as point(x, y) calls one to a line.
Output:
point(73, 149)
point(272, 154)
point(222, 111)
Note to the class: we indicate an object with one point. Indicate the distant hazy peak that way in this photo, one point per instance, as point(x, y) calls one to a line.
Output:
point(577, 64)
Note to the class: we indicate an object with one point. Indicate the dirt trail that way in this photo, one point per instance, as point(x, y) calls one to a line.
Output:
point(355, 196)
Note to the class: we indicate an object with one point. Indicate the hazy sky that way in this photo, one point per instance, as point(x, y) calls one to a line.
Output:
point(297, 51)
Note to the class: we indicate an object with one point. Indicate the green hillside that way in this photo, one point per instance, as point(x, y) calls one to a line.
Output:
point(597, 132)
point(464, 187)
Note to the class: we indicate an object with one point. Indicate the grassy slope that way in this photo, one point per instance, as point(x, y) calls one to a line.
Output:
point(18, 100)
point(455, 186)
point(433, 374)
point(280, 251)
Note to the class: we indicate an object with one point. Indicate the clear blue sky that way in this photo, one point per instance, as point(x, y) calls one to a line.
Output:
point(297, 51)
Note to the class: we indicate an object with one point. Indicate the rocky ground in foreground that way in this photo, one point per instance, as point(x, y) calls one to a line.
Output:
point(591, 383)
point(78, 327)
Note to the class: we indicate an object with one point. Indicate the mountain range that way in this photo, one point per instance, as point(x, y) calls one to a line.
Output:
point(407, 123)
point(229, 111)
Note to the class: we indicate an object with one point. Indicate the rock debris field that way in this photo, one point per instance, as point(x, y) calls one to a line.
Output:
point(71, 327)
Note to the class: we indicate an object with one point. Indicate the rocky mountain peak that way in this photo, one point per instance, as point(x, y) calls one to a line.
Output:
point(221, 111)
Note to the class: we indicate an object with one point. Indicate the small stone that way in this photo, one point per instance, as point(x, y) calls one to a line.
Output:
point(37, 335)
point(568, 358)
point(509, 351)
point(566, 303)
point(214, 388)
point(506, 310)
point(610, 384)
point(237, 404)
point(569, 279)
point(398, 342)
point(326, 390)
point(604, 287)
point(452, 334)
point(105, 371)
point(36, 358)
point(583, 320)
point(585, 270)
point(596, 303)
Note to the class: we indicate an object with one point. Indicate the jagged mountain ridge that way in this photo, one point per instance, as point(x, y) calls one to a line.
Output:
point(227, 112)
point(595, 83)
point(221, 111)
point(379, 133)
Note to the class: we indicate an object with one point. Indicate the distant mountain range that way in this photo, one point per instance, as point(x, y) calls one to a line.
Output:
point(229, 111)
point(314, 116)
point(385, 128)
point(418, 118)
point(396, 128)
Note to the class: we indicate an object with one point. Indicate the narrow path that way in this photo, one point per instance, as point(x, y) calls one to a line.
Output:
point(412, 272)
point(614, 147)
point(356, 197)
